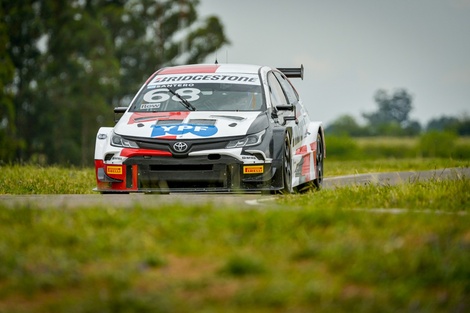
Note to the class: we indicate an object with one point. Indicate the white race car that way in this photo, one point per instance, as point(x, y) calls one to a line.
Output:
point(212, 127)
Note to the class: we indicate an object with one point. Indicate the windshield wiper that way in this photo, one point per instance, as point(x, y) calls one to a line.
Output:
point(184, 102)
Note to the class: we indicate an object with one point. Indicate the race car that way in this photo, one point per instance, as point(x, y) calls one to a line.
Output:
point(212, 127)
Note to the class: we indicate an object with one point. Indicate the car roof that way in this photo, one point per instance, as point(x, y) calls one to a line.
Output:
point(210, 68)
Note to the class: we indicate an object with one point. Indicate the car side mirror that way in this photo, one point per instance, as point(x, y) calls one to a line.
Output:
point(290, 118)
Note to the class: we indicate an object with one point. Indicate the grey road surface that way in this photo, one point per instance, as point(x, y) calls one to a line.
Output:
point(222, 199)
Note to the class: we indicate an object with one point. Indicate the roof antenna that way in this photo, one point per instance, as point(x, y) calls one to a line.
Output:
point(216, 62)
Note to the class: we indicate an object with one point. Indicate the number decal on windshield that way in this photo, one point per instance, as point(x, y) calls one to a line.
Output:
point(160, 95)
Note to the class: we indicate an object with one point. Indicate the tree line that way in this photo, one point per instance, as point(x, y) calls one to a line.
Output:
point(65, 64)
point(392, 118)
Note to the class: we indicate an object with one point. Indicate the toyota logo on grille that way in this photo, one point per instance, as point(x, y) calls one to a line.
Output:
point(180, 146)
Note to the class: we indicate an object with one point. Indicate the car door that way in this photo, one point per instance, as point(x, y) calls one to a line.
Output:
point(292, 98)
point(281, 108)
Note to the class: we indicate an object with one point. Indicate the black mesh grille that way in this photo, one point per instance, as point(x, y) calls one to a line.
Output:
point(181, 167)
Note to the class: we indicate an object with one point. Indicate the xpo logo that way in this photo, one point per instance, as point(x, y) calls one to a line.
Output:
point(181, 129)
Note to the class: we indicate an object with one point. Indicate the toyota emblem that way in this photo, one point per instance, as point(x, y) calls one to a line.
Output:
point(180, 147)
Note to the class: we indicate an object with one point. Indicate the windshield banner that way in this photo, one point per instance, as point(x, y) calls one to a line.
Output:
point(245, 79)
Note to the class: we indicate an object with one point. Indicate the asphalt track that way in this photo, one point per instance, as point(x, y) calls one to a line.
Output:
point(222, 199)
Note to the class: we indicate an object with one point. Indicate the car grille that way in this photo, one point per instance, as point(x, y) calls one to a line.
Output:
point(194, 145)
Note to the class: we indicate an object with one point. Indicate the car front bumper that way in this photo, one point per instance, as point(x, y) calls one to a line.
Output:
point(190, 174)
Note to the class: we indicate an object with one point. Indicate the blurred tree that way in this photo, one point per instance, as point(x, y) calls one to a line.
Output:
point(459, 125)
point(463, 129)
point(392, 115)
point(346, 125)
point(149, 34)
point(78, 74)
point(412, 128)
point(394, 108)
point(7, 109)
point(442, 123)
point(75, 59)
point(23, 28)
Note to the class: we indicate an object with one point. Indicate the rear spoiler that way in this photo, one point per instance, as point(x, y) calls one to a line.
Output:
point(118, 112)
point(293, 72)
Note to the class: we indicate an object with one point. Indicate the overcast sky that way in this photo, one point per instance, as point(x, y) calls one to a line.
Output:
point(352, 48)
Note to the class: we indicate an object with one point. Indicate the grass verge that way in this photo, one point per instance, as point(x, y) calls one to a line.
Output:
point(324, 252)
point(336, 168)
point(32, 179)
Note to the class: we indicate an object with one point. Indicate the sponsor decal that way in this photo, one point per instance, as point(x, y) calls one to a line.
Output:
point(146, 106)
point(249, 157)
point(198, 78)
point(253, 169)
point(116, 170)
point(181, 129)
point(141, 117)
point(171, 86)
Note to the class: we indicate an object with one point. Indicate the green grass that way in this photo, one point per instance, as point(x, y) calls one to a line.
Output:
point(401, 141)
point(346, 167)
point(325, 251)
point(30, 179)
point(341, 250)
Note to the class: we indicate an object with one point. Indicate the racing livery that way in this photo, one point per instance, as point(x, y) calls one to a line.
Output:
point(212, 127)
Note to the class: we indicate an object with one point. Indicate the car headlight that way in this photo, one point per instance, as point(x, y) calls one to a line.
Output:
point(118, 141)
point(250, 140)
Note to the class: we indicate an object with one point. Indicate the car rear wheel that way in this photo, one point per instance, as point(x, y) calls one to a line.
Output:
point(319, 162)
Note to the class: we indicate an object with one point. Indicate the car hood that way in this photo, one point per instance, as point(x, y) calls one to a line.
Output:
point(190, 125)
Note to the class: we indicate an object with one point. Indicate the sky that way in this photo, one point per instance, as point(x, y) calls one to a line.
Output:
point(352, 48)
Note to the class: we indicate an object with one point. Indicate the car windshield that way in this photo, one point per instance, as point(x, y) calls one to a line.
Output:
point(201, 92)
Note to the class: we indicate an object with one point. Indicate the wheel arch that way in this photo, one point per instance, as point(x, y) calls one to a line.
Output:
point(277, 146)
point(278, 140)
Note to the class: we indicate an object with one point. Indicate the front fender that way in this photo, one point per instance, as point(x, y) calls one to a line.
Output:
point(278, 153)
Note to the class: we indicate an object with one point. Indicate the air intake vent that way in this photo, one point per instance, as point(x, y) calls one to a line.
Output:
point(202, 122)
point(166, 122)
point(181, 168)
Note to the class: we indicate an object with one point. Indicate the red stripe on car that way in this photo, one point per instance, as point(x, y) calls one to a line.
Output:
point(129, 153)
point(313, 146)
point(301, 150)
point(190, 69)
point(139, 117)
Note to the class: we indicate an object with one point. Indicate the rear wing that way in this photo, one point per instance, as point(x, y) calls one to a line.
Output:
point(293, 72)
point(118, 112)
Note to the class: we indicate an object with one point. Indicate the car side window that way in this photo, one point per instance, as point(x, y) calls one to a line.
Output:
point(275, 91)
point(292, 95)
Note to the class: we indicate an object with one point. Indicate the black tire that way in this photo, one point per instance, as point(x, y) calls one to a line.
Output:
point(287, 166)
point(318, 182)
